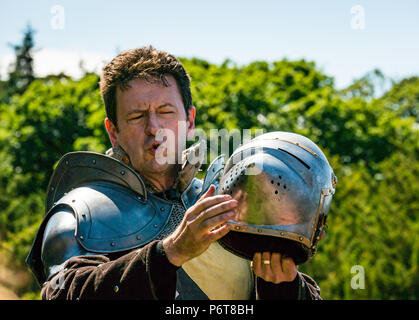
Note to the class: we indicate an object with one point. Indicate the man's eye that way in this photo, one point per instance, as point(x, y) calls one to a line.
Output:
point(137, 117)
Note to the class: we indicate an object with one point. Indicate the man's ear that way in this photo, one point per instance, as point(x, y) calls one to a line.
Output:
point(112, 132)
point(191, 122)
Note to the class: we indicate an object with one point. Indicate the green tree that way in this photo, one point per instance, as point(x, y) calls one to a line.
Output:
point(21, 74)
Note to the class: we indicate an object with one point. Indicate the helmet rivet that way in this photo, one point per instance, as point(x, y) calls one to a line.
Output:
point(300, 238)
point(113, 244)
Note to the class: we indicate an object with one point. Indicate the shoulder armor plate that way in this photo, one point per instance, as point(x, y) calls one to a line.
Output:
point(112, 218)
point(76, 168)
point(213, 174)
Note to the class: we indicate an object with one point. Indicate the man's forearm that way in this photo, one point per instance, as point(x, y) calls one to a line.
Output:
point(144, 274)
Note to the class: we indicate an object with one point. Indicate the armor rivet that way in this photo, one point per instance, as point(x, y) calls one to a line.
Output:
point(300, 238)
point(116, 289)
point(52, 188)
point(81, 238)
point(66, 162)
point(94, 161)
point(155, 226)
point(162, 209)
point(122, 172)
point(237, 228)
point(281, 233)
point(138, 238)
point(113, 244)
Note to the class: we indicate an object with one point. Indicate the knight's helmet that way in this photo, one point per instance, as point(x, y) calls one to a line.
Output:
point(284, 185)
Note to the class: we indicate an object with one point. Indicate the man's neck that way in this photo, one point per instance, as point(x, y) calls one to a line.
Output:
point(162, 182)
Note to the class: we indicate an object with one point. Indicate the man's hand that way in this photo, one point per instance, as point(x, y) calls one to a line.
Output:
point(274, 267)
point(203, 224)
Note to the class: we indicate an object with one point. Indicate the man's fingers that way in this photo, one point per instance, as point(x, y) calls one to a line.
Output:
point(215, 221)
point(210, 192)
point(274, 267)
point(276, 262)
point(289, 268)
point(209, 202)
point(217, 209)
point(219, 233)
point(257, 263)
point(266, 264)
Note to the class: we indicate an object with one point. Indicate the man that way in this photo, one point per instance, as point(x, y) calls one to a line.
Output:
point(176, 222)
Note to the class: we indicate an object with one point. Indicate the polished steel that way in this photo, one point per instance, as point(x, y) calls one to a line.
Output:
point(284, 185)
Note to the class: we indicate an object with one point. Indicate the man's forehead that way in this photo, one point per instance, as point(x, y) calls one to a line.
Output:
point(150, 93)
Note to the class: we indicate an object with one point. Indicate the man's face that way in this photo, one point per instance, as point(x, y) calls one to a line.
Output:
point(142, 111)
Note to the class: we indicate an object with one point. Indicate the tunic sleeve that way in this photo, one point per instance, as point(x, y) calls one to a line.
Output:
point(144, 274)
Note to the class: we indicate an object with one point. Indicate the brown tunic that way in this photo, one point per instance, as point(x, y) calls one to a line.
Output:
point(146, 274)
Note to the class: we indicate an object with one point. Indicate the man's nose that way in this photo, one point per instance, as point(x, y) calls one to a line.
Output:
point(152, 125)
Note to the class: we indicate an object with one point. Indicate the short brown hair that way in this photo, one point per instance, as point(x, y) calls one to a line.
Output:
point(142, 63)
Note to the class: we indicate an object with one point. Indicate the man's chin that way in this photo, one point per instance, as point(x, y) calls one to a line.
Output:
point(153, 167)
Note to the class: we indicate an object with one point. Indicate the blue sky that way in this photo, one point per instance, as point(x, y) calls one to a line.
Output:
point(322, 31)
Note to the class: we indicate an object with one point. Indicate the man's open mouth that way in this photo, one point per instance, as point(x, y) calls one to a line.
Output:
point(154, 146)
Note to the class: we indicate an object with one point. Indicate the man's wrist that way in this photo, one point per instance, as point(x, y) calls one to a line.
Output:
point(172, 255)
point(285, 290)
